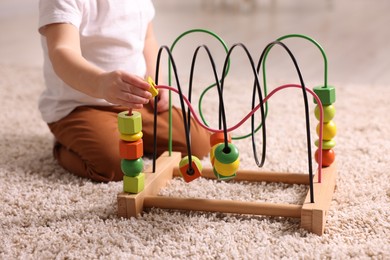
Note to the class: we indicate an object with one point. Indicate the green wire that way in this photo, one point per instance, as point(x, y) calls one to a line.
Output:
point(203, 93)
point(213, 85)
point(309, 39)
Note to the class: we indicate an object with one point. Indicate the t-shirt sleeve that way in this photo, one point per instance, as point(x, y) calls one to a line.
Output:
point(151, 12)
point(59, 11)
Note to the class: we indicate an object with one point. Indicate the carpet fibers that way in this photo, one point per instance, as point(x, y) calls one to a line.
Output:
point(48, 213)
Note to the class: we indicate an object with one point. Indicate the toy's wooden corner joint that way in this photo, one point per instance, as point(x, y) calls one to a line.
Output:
point(313, 215)
point(131, 205)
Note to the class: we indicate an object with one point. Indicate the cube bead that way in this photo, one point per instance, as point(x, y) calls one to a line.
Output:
point(327, 95)
point(129, 124)
point(219, 137)
point(184, 169)
point(131, 150)
point(134, 184)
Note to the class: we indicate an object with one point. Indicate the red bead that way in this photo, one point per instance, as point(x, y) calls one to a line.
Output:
point(328, 157)
point(185, 169)
point(131, 150)
point(217, 138)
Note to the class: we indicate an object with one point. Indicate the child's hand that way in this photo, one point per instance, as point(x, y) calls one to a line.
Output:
point(124, 89)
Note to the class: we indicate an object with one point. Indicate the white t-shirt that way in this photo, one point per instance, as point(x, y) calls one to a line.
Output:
point(112, 36)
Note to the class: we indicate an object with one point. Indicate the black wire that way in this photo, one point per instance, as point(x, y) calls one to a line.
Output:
point(190, 170)
point(306, 104)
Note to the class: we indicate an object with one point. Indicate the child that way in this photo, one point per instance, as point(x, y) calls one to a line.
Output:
point(96, 57)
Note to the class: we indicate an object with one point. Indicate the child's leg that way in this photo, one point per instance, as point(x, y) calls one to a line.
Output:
point(87, 140)
point(87, 143)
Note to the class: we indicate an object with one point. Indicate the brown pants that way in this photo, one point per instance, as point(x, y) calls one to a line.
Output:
point(87, 140)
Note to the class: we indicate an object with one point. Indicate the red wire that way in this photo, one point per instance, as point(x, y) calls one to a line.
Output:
point(320, 134)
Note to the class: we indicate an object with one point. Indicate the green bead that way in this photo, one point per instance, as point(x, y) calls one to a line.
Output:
point(132, 168)
point(329, 112)
point(327, 95)
point(326, 144)
point(223, 178)
point(134, 184)
point(129, 124)
point(226, 155)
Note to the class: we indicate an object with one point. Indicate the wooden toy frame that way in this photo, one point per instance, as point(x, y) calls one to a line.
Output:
point(312, 215)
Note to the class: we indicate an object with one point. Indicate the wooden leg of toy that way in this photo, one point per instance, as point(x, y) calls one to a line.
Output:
point(131, 205)
point(313, 216)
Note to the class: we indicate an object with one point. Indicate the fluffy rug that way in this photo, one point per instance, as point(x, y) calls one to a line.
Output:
point(48, 213)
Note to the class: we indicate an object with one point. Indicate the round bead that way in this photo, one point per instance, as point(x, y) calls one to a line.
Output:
point(326, 144)
point(329, 130)
point(227, 154)
point(132, 168)
point(131, 138)
point(329, 112)
point(226, 169)
point(328, 157)
point(219, 137)
point(212, 154)
point(129, 124)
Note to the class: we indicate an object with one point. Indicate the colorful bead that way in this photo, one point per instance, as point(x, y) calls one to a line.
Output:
point(329, 130)
point(131, 138)
point(132, 168)
point(153, 90)
point(326, 144)
point(223, 178)
point(329, 112)
point(226, 169)
point(185, 170)
point(131, 150)
point(327, 95)
point(226, 155)
point(219, 137)
point(134, 184)
point(328, 157)
point(129, 124)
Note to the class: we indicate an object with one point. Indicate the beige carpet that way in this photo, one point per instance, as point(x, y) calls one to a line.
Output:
point(46, 213)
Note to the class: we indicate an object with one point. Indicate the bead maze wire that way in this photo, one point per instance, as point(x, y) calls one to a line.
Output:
point(219, 84)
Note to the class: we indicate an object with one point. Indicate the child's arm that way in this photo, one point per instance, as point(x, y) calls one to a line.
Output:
point(117, 87)
point(150, 53)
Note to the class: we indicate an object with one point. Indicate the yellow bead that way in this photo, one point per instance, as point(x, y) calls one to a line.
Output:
point(129, 124)
point(212, 154)
point(226, 169)
point(131, 138)
point(153, 90)
point(329, 130)
point(329, 112)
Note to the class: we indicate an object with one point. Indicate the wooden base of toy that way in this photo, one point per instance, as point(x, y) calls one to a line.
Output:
point(312, 215)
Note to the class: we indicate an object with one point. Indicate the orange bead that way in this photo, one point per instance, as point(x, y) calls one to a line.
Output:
point(217, 138)
point(328, 157)
point(131, 150)
point(196, 167)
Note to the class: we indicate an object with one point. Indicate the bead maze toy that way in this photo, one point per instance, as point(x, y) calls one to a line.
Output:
point(141, 188)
